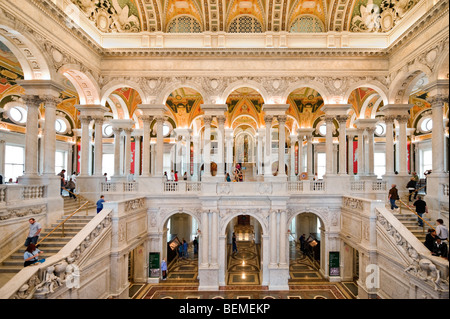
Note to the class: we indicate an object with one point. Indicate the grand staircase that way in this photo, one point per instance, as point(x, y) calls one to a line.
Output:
point(55, 241)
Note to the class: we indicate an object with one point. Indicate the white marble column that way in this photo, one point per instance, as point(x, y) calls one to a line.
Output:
point(273, 236)
point(229, 149)
point(389, 121)
point(350, 137)
point(283, 238)
point(438, 137)
point(2, 157)
point(292, 154)
point(329, 145)
point(221, 141)
point(360, 152)
point(31, 137)
point(50, 104)
point(127, 167)
point(187, 158)
point(207, 147)
point(137, 152)
point(159, 146)
point(196, 140)
point(403, 144)
point(117, 136)
point(309, 154)
point(146, 121)
point(98, 166)
point(268, 154)
point(281, 145)
point(342, 145)
point(259, 155)
point(84, 149)
point(371, 149)
point(300, 154)
point(214, 237)
point(204, 244)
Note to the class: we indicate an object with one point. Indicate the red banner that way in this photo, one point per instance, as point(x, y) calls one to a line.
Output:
point(78, 158)
point(355, 162)
point(133, 151)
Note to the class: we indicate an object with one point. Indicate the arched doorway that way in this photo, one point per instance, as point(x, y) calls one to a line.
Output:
point(243, 251)
point(180, 247)
point(306, 247)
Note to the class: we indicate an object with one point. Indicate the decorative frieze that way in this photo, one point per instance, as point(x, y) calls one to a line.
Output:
point(353, 203)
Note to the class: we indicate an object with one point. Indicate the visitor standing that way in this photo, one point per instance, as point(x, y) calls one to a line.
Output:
point(100, 203)
point(234, 243)
point(440, 248)
point(33, 233)
point(195, 243)
point(411, 186)
point(164, 269)
point(430, 238)
point(302, 240)
point(63, 179)
point(421, 208)
point(442, 230)
point(71, 187)
point(393, 196)
point(185, 249)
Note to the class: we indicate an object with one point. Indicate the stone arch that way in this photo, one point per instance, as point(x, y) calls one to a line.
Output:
point(244, 115)
point(442, 66)
point(85, 84)
point(165, 216)
point(320, 213)
point(226, 218)
point(35, 63)
point(258, 87)
point(375, 85)
point(167, 90)
point(404, 82)
point(324, 93)
point(116, 84)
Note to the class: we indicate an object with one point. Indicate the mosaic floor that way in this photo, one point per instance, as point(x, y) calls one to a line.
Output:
point(306, 281)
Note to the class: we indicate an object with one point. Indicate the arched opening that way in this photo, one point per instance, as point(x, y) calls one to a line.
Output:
point(180, 248)
point(306, 248)
point(243, 251)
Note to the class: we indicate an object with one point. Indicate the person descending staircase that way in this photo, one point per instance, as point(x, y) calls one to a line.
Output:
point(51, 240)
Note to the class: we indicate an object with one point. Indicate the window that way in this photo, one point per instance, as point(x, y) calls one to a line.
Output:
point(379, 164)
point(184, 24)
point(18, 114)
point(60, 126)
point(307, 24)
point(323, 130)
point(60, 161)
point(426, 125)
point(245, 24)
point(108, 164)
point(166, 130)
point(14, 162)
point(107, 130)
point(380, 129)
point(426, 161)
point(321, 164)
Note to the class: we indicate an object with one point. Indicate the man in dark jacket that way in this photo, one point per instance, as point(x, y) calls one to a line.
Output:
point(393, 196)
point(411, 186)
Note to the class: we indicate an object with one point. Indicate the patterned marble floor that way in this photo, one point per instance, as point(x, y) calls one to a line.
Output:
point(306, 281)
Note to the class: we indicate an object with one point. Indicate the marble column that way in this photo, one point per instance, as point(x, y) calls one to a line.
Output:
point(437, 135)
point(31, 137)
point(350, 137)
point(268, 154)
point(260, 141)
point(214, 238)
point(137, 152)
point(221, 141)
point(84, 149)
point(196, 140)
point(159, 146)
point(300, 154)
point(187, 158)
point(98, 146)
point(329, 145)
point(50, 104)
point(2, 158)
point(204, 244)
point(309, 154)
point(389, 121)
point(360, 152)
point(283, 238)
point(117, 136)
point(371, 149)
point(403, 144)
point(281, 145)
point(342, 144)
point(292, 154)
point(207, 148)
point(127, 166)
point(146, 121)
point(273, 235)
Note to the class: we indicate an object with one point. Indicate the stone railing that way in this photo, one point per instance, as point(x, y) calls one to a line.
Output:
point(182, 187)
point(444, 190)
point(119, 187)
point(12, 194)
point(310, 187)
point(59, 272)
point(368, 186)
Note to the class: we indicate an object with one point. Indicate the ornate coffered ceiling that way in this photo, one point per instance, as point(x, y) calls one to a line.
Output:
point(244, 16)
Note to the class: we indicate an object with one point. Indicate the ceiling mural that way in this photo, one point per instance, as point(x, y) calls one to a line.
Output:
point(120, 16)
point(184, 105)
point(305, 106)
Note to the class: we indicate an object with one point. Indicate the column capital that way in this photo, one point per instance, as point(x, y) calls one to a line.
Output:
point(268, 119)
point(342, 119)
point(389, 119)
point(437, 100)
point(370, 130)
point(281, 119)
point(402, 119)
point(160, 119)
point(329, 119)
point(31, 100)
point(146, 118)
point(50, 100)
point(221, 120)
point(85, 119)
point(207, 119)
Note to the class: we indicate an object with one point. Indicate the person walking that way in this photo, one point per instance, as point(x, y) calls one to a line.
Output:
point(195, 243)
point(393, 196)
point(185, 249)
point(71, 187)
point(302, 240)
point(63, 179)
point(33, 233)
point(100, 203)
point(164, 269)
point(234, 244)
point(31, 255)
point(411, 186)
point(441, 230)
point(421, 208)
